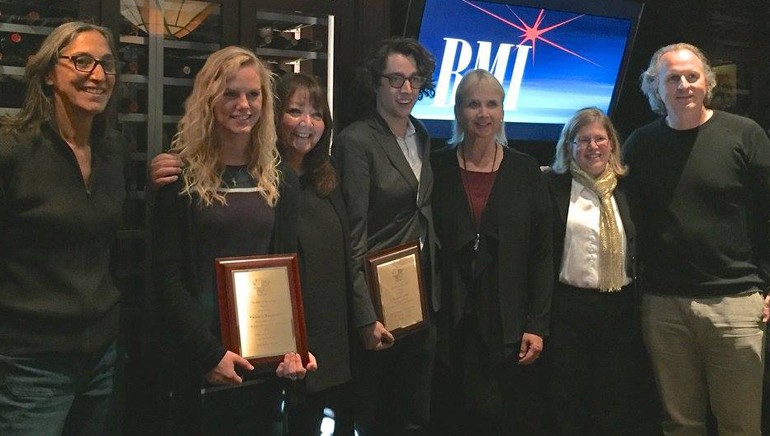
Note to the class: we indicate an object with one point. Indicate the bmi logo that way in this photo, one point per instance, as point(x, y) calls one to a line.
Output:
point(458, 54)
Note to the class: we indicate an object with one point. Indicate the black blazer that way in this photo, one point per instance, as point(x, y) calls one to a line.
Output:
point(515, 236)
point(560, 186)
point(335, 343)
point(386, 205)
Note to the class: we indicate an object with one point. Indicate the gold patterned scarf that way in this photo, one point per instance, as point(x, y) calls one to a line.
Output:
point(611, 274)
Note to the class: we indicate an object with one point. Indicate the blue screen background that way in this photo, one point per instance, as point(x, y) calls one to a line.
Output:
point(555, 83)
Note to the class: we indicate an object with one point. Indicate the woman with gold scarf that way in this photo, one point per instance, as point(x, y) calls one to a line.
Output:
point(594, 348)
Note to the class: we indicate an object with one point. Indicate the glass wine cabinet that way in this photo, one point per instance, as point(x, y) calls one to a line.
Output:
point(161, 47)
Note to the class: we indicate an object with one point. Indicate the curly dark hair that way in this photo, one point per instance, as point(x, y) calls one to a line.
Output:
point(374, 65)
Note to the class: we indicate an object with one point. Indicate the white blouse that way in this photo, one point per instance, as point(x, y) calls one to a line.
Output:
point(580, 259)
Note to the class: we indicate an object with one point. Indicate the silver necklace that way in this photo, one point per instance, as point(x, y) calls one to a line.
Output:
point(233, 177)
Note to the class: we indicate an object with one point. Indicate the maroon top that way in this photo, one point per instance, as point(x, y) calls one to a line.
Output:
point(477, 188)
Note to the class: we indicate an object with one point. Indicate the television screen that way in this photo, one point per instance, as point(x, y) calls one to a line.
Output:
point(552, 57)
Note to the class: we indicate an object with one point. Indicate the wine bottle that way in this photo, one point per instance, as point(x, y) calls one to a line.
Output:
point(279, 42)
point(185, 68)
point(129, 105)
point(305, 44)
point(134, 59)
point(264, 36)
point(131, 67)
point(13, 50)
point(32, 18)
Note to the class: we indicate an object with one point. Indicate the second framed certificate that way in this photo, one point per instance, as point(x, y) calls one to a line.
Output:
point(395, 283)
point(260, 308)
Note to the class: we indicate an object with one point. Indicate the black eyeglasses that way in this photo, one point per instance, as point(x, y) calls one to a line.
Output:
point(87, 63)
point(397, 80)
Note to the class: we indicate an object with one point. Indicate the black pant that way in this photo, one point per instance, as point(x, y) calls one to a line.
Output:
point(475, 395)
point(600, 379)
point(393, 386)
point(305, 418)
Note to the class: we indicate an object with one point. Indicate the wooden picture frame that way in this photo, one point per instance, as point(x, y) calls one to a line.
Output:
point(394, 276)
point(260, 308)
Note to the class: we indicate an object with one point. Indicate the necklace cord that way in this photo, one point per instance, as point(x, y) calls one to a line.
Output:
point(465, 183)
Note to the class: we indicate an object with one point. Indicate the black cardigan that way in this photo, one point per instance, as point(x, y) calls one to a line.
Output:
point(173, 315)
point(516, 241)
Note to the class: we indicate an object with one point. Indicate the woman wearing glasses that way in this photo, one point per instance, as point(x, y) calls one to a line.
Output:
point(493, 219)
point(594, 347)
point(61, 194)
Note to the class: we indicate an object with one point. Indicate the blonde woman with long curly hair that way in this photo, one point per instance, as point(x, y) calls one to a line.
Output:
point(232, 198)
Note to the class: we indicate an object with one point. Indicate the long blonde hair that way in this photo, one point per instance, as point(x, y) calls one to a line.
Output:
point(199, 146)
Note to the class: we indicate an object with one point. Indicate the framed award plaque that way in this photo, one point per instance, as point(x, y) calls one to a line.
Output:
point(396, 286)
point(260, 308)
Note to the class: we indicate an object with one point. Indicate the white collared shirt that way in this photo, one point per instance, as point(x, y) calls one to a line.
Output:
point(411, 149)
point(412, 152)
point(580, 259)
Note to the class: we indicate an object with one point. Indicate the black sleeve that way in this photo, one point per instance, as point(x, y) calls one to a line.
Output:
point(541, 256)
point(757, 146)
point(353, 165)
point(284, 238)
point(175, 294)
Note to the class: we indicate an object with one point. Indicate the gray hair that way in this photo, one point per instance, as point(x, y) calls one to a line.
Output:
point(649, 78)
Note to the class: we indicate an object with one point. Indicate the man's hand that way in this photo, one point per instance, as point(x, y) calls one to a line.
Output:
point(766, 309)
point(531, 347)
point(376, 337)
point(164, 169)
point(224, 372)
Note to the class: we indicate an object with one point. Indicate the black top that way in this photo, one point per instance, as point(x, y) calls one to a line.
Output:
point(176, 326)
point(701, 202)
point(244, 227)
point(56, 292)
point(323, 269)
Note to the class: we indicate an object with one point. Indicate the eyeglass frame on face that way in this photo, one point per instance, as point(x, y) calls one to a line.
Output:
point(397, 80)
point(104, 62)
point(600, 141)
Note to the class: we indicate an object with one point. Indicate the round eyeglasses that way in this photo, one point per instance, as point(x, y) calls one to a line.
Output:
point(87, 63)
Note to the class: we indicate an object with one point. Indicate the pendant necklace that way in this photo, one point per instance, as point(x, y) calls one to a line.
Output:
point(476, 241)
point(234, 177)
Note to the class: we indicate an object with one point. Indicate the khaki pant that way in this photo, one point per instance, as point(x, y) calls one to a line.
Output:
point(707, 350)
